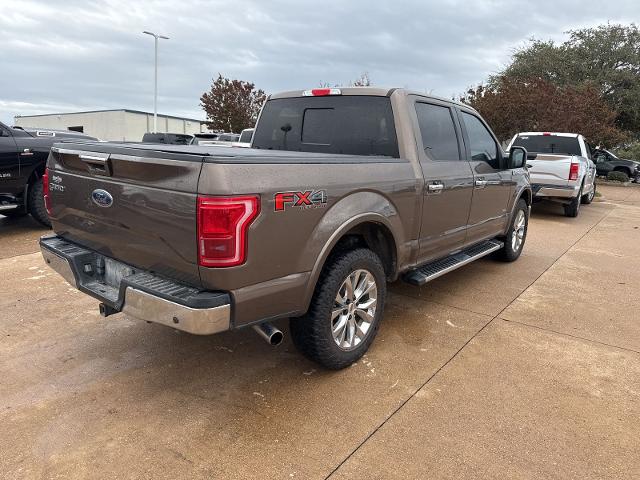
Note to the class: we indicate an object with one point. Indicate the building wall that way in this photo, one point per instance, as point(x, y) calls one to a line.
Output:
point(117, 125)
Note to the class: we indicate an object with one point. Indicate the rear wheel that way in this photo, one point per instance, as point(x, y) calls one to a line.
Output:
point(345, 311)
point(35, 202)
point(573, 209)
point(588, 197)
point(514, 241)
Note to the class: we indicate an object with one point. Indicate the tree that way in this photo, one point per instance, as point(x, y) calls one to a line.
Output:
point(362, 81)
point(516, 105)
point(606, 57)
point(232, 105)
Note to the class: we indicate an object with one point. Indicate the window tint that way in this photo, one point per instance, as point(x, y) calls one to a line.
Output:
point(549, 144)
point(245, 136)
point(355, 125)
point(438, 131)
point(482, 145)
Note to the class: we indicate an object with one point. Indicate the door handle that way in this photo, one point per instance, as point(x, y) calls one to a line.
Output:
point(26, 152)
point(481, 183)
point(435, 187)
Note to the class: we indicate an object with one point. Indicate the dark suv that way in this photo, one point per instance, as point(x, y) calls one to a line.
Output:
point(607, 162)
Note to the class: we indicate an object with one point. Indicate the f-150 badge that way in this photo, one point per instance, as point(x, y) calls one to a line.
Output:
point(301, 200)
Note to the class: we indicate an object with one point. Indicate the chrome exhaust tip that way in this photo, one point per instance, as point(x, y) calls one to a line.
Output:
point(272, 335)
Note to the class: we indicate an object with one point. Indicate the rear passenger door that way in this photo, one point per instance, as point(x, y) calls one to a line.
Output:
point(492, 180)
point(448, 180)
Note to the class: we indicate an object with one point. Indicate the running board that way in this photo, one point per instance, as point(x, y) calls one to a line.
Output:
point(433, 270)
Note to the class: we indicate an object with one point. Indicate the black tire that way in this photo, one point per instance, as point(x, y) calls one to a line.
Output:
point(35, 203)
point(573, 209)
point(588, 197)
point(312, 333)
point(508, 253)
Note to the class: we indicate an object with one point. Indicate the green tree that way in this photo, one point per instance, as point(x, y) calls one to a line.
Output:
point(232, 105)
point(607, 57)
point(513, 105)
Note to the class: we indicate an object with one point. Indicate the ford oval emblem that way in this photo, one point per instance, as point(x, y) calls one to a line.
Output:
point(102, 198)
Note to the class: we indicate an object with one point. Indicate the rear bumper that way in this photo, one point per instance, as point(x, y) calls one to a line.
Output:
point(559, 191)
point(140, 294)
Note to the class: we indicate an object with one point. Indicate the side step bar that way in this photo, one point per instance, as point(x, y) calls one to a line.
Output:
point(430, 271)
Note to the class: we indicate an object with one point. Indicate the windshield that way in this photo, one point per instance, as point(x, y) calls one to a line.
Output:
point(355, 125)
point(549, 144)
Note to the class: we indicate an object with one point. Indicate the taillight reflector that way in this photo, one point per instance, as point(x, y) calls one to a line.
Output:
point(321, 92)
point(45, 191)
point(222, 229)
point(573, 171)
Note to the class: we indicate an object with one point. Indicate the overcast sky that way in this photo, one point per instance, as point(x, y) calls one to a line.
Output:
point(72, 55)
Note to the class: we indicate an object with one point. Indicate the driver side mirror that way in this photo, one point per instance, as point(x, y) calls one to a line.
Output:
point(517, 157)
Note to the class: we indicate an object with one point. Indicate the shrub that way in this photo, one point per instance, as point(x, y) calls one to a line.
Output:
point(617, 177)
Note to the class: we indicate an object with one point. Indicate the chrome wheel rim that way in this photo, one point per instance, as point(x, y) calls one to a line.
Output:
point(519, 230)
point(354, 309)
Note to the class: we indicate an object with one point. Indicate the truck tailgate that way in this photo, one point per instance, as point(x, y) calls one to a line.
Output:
point(136, 205)
point(550, 169)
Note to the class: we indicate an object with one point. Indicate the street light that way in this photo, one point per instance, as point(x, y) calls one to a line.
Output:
point(155, 88)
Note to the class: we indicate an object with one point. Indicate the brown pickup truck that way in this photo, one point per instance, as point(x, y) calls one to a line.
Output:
point(342, 191)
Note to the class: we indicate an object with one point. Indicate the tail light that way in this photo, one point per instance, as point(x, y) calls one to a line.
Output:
point(573, 171)
point(45, 191)
point(222, 229)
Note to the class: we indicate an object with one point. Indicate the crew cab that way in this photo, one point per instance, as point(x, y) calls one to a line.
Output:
point(23, 155)
point(561, 168)
point(608, 162)
point(342, 191)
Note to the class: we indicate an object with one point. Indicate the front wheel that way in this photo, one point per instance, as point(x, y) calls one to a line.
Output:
point(514, 241)
point(345, 312)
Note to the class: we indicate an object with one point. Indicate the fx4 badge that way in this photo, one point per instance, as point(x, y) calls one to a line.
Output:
point(301, 200)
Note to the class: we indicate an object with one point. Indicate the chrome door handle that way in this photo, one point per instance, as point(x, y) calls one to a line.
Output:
point(435, 187)
point(481, 183)
point(26, 152)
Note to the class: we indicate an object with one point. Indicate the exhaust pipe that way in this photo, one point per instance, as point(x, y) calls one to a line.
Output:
point(269, 333)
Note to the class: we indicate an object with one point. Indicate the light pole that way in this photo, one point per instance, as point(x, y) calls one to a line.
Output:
point(155, 83)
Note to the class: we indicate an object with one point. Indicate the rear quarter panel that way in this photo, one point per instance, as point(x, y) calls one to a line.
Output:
point(286, 248)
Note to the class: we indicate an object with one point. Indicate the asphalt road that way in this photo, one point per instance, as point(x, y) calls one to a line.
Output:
point(523, 370)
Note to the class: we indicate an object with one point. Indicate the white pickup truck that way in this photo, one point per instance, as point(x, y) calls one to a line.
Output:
point(560, 167)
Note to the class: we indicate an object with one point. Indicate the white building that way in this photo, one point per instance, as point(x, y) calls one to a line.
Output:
point(114, 125)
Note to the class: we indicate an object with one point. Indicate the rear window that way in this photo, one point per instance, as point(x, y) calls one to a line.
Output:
point(245, 136)
point(354, 125)
point(549, 144)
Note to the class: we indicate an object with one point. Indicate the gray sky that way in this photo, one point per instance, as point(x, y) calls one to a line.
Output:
point(74, 55)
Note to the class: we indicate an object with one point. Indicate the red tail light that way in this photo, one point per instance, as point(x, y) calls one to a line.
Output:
point(321, 92)
point(222, 229)
point(573, 171)
point(45, 190)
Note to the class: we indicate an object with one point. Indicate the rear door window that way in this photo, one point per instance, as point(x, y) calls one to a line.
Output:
point(438, 131)
point(354, 125)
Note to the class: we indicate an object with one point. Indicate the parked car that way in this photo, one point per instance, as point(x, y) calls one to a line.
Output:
point(168, 138)
point(607, 162)
point(23, 155)
point(561, 168)
point(245, 138)
point(343, 190)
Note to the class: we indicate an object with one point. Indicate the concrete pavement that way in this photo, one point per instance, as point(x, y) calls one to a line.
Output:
point(523, 370)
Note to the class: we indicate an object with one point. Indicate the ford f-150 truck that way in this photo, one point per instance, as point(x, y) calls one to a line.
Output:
point(561, 168)
point(342, 191)
point(23, 155)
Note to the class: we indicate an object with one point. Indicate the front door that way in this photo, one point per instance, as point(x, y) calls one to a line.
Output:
point(448, 180)
point(489, 212)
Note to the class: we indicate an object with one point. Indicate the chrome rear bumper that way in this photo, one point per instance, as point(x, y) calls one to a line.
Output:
point(554, 191)
point(134, 297)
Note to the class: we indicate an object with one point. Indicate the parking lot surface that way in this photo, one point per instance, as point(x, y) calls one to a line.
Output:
point(522, 370)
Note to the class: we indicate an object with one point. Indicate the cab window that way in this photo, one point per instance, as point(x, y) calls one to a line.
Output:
point(481, 143)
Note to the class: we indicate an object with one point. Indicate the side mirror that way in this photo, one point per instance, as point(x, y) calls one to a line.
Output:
point(517, 157)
